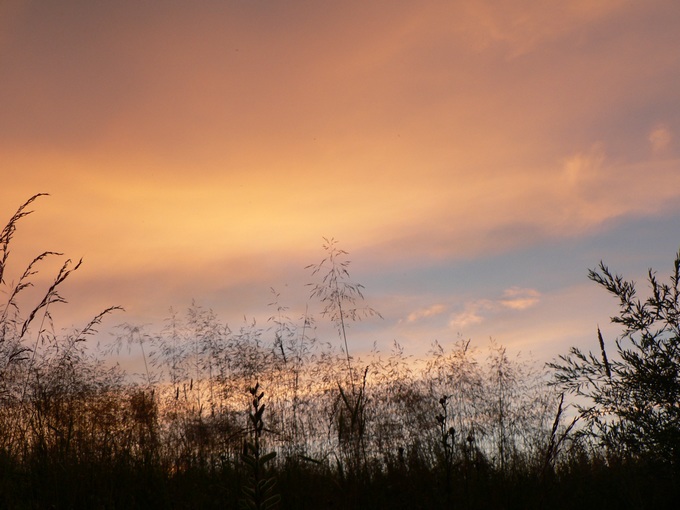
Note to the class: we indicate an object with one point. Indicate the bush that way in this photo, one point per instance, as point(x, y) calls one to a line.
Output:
point(630, 401)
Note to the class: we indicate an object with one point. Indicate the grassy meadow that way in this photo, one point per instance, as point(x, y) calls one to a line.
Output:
point(273, 416)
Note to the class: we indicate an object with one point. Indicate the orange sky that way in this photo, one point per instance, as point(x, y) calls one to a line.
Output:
point(463, 152)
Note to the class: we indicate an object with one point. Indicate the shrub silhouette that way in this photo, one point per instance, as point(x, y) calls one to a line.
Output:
point(631, 398)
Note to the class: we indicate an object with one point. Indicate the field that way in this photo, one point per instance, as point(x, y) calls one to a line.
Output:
point(271, 416)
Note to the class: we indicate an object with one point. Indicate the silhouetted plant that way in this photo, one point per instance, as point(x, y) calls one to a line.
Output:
point(351, 424)
point(557, 437)
point(338, 295)
point(259, 493)
point(292, 353)
point(13, 325)
point(448, 441)
point(630, 401)
point(53, 392)
point(516, 405)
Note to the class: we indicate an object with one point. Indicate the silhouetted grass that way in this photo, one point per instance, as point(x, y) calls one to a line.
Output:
point(463, 428)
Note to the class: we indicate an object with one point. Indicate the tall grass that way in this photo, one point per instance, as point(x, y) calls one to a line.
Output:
point(468, 426)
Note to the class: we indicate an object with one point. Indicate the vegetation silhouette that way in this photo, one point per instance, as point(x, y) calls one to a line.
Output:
point(630, 401)
point(464, 427)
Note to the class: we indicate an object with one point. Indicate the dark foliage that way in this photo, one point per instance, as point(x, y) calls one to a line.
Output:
point(630, 400)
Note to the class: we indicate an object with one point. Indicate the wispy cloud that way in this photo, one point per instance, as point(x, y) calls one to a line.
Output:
point(475, 312)
point(582, 168)
point(660, 138)
point(517, 298)
point(424, 313)
point(523, 25)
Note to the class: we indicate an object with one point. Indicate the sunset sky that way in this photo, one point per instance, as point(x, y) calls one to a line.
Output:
point(475, 158)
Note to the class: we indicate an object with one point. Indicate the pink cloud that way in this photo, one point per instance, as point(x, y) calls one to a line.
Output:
point(517, 298)
point(424, 313)
point(475, 312)
point(660, 138)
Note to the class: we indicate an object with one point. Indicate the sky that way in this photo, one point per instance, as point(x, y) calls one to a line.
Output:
point(475, 158)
